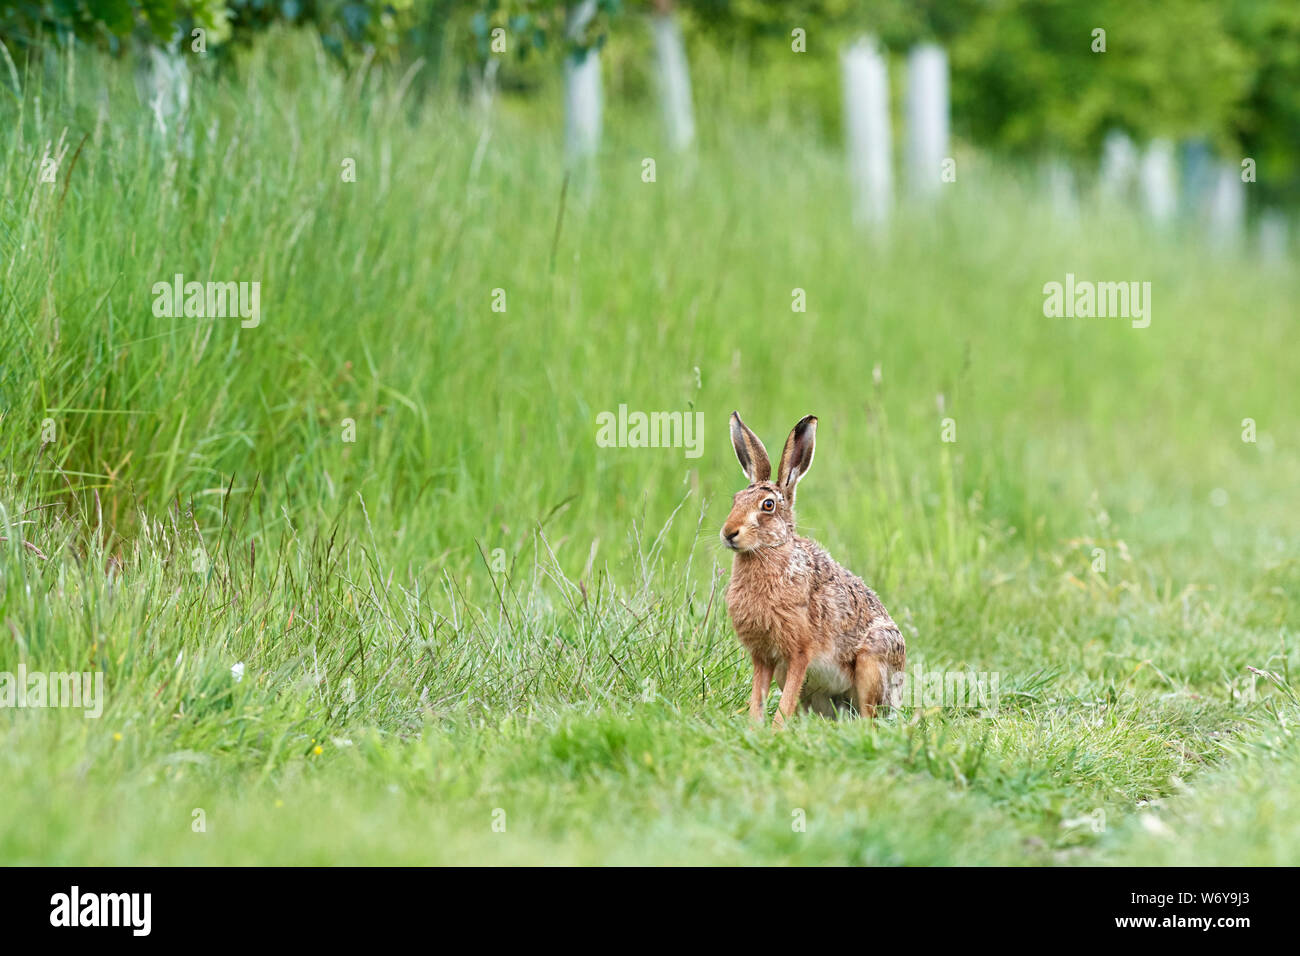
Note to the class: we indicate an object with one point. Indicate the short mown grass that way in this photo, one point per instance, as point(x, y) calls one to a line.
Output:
point(472, 635)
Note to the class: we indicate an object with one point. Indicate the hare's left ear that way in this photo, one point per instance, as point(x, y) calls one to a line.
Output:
point(797, 457)
point(749, 451)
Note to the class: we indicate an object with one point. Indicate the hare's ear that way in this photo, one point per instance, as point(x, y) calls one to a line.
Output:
point(750, 451)
point(797, 456)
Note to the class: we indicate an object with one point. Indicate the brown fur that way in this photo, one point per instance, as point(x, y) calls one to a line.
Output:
point(806, 621)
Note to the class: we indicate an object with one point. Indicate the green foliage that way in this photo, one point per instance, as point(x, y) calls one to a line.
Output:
point(378, 23)
point(536, 26)
point(898, 23)
point(25, 25)
point(1265, 120)
point(1025, 76)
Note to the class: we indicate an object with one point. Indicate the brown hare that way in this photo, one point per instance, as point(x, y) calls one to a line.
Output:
point(807, 622)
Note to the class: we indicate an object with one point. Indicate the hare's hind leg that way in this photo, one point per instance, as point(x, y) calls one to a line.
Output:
point(869, 682)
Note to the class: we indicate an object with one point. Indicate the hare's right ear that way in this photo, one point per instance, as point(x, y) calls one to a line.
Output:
point(749, 450)
point(797, 457)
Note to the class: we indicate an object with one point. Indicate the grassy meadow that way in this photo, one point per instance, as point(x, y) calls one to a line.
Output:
point(472, 635)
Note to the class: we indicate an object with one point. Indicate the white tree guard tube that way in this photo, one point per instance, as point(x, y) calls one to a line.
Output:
point(582, 89)
point(674, 80)
point(927, 116)
point(1227, 212)
point(1156, 176)
point(867, 133)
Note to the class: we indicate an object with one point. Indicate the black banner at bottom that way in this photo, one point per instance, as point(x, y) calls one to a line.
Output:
point(335, 906)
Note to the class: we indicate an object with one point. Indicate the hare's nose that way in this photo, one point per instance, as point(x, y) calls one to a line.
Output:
point(730, 535)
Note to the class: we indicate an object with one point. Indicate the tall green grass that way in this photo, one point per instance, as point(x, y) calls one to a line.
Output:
point(179, 498)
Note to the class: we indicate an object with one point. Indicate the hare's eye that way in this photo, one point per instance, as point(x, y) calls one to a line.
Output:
point(769, 504)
